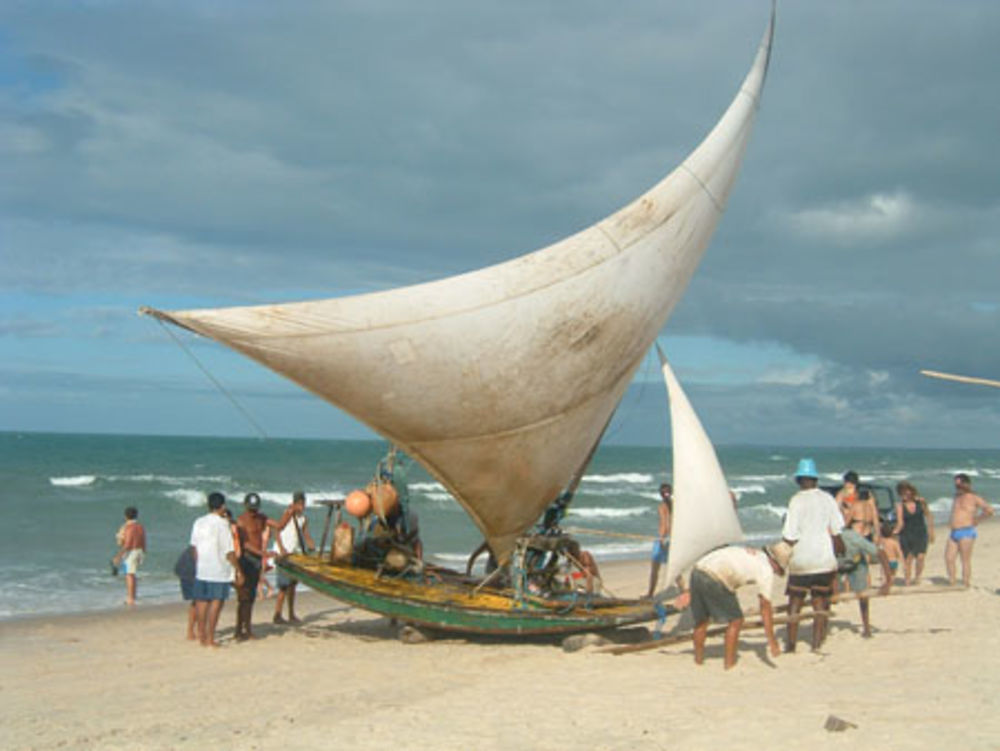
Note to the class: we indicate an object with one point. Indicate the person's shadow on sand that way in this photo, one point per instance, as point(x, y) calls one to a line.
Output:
point(762, 654)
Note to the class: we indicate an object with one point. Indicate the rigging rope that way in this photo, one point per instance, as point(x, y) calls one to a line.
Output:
point(624, 416)
point(218, 385)
point(606, 533)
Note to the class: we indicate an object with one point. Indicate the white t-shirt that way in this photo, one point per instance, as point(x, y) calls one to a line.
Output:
point(213, 539)
point(812, 517)
point(736, 566)
point(289, 537)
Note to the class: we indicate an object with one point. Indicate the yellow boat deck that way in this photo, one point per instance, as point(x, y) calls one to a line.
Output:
point(440, 590)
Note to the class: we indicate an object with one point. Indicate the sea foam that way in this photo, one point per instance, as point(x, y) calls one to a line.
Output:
point(80, 481)
point(609, 513)
point(187, 497)
point(742, 489)
point(633, 478)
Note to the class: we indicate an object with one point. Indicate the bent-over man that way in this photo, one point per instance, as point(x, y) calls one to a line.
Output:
point(714, 581)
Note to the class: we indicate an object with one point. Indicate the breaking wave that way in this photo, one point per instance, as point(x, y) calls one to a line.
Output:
point(632, 478)
point(764, 509)
point(610, 513)
point(743, 489)
point(80, 481)
point(187, 497)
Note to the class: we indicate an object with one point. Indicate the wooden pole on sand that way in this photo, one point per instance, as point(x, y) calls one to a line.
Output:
point(621, 649)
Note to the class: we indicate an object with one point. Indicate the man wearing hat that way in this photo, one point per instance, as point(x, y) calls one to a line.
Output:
point(812, 527)
point(251, 526)
point(714, 581)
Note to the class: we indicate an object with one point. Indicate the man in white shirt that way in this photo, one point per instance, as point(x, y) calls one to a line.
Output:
point(215, 565)
point(714, 581)
point(812, 526)
point(293, 537)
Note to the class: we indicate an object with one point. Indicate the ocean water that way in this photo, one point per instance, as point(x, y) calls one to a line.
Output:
point(63, 496)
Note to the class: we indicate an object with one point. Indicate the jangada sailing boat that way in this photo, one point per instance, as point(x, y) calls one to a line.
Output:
point(501, 381)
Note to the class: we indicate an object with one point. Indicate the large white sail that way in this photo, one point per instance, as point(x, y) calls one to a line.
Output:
point(703, 515)
point(500, 381)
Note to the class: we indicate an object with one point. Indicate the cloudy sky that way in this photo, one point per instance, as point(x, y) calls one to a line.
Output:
point(204, 153)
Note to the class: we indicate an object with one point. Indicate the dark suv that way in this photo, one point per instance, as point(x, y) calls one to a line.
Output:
point(885, 498)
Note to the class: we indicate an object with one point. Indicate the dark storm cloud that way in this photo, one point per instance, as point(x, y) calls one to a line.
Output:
point(223, 152)
point(438, 140)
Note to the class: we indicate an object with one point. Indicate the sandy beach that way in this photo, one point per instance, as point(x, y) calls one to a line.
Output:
point(129, 680)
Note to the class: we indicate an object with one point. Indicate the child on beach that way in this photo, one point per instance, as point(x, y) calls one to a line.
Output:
point(890, 544)
point(131, 540)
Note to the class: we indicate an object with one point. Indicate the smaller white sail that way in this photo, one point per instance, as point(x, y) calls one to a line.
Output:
point(703, 515)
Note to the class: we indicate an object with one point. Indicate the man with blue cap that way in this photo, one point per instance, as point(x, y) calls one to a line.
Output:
point(812, 526)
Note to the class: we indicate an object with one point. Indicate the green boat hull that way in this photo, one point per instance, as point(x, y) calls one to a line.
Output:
point(447, 606)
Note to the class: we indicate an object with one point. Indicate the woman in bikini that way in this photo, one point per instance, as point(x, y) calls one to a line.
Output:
point(858, 508)
point(915, 527)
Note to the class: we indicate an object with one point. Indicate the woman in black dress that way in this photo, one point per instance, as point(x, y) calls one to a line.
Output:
point(915, 527)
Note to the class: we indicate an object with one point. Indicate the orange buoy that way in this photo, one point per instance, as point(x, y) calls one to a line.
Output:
point(384, 497)
point(358, 503)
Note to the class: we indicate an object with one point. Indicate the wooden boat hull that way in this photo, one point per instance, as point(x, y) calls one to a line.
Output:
point(455, 607)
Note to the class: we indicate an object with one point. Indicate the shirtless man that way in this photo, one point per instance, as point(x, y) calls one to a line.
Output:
point(660, 546)
point(582, 568)
point(858, 508)
point(963, 527)
point(252, 527)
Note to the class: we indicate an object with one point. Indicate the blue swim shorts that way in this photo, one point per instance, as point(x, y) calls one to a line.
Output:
point(204, 590)
point(963, 533)
point(660, 550)
point(187, 589)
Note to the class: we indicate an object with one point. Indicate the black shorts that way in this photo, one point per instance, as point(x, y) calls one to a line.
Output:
point(250, 565)
point(817, 585)
point(711, 599)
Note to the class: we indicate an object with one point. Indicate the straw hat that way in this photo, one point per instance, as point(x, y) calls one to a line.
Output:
point(780, 553)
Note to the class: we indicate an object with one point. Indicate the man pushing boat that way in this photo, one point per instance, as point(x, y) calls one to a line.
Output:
point(714, 581)
point(812, 525)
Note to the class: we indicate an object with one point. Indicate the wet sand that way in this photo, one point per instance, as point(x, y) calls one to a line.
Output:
point(129, 680)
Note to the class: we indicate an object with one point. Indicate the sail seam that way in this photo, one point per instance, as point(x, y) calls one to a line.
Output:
point(611, 239)
point(711, 196)
point(618, 250)
point(753, 97)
